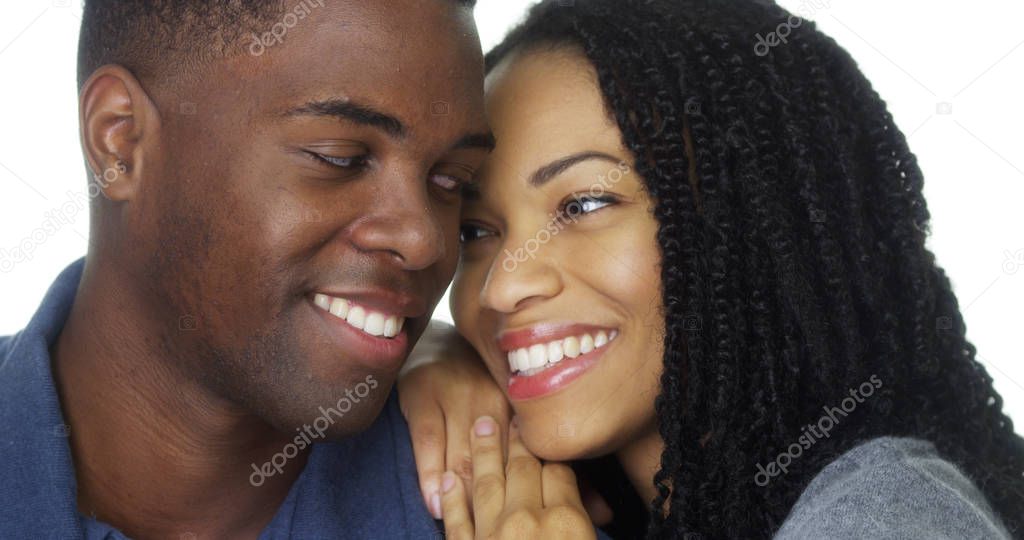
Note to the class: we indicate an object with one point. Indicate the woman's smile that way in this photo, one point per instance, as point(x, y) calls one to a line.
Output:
point(545, 358)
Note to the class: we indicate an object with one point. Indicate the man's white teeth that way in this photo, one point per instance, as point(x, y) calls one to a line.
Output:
point(391, 326)
point(357, 317)
point(339, 308)
point(372, 322)
point(322, 301)
point(540, 356)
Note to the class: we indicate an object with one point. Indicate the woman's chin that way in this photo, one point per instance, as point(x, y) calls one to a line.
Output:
point(556, 450)
point(558, 443)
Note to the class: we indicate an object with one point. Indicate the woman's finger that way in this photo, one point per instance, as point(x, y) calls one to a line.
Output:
point(488, 474)
point(427, 431)
point(523, 475)
point(559, 486)
point(452, 499)
point(458, 424)
point(497, 407)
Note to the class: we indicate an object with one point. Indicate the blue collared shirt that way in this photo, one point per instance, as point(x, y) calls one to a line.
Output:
point(362, 487)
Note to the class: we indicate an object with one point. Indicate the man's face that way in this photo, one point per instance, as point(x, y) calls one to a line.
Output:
point(326, 165)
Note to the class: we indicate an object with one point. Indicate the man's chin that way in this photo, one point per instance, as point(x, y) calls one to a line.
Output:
point(341, 413)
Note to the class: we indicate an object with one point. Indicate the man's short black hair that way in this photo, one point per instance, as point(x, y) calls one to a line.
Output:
point(154, 37)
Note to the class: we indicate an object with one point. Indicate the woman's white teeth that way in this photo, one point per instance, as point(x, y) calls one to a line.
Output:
point(571, 345)
point(522, 358)
point(540, 356)
point(371, 322)
point(555, 351)
point(586, 343)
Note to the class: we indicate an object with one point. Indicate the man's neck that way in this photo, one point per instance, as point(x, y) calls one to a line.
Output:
point(155, 453)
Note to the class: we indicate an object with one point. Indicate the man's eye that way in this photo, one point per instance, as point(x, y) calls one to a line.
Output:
point(349, 162)
point(452, 177)
point(446, 182)
point(469, 232)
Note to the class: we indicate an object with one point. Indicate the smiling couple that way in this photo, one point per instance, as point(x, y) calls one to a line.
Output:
point(285, 224)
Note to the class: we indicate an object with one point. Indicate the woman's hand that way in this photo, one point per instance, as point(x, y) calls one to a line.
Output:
point(443, 387)
point(525, 499)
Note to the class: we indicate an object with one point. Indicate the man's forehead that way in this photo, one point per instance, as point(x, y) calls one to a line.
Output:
point(345, 50)
point(420, 84)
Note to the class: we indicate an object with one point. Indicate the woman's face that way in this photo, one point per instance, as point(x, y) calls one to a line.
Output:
point(558, 287)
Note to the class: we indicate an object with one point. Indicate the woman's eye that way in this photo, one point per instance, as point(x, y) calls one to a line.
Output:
point(469, 232)
point(579, 205)
point(350, 162)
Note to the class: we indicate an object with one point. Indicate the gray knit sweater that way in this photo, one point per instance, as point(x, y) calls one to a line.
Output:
point(891, 488)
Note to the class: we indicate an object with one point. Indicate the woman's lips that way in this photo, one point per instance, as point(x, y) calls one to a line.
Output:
point(509, 340)
point(553, 378)
point(545, 358)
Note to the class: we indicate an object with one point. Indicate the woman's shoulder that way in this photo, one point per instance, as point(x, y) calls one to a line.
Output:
point(891, 487)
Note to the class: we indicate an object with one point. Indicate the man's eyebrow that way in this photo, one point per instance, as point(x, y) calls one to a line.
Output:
point(353, 112)
point(544, 174)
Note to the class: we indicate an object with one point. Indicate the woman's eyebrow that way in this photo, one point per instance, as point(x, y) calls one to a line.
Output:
point(544, 174)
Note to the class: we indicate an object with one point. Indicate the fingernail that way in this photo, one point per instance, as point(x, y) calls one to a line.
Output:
point(435, 505)
point(448, 481)
point(484, 426)
point(433, 500)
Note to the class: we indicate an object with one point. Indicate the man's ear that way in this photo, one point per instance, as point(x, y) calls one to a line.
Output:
point(119, 124)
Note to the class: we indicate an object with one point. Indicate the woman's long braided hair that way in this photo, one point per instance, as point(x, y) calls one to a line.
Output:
point(794, 265)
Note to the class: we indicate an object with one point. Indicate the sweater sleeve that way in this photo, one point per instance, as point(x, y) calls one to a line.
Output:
point(891, 488)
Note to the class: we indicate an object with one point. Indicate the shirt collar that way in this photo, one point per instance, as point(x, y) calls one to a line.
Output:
point(40, 487)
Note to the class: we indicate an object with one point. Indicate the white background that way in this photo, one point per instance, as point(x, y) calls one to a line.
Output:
point(950, 71)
